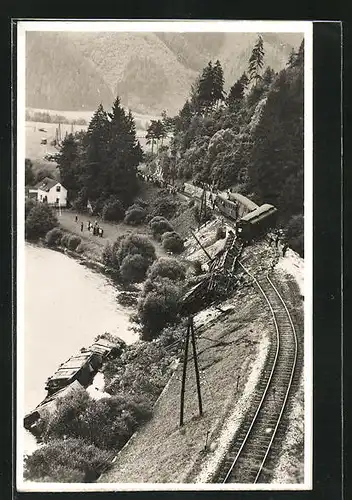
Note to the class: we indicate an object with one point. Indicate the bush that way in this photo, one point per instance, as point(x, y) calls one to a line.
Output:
point(73, 242)
point(29, 204)
point(64, 240)
point(113, 210)
point(164, 206)
point(135, 215)
point(109, 255)
point(133, 268)
point(167, 268)
point(135, 244)
point(81, 247)
point(39, 221)
point(107, 423)
point(220, 233)
point(159, 306)
point(159, 225)
point(53, 237)
point(140, 203)
point(69, 460)
point(294, 234)
point(172, 242)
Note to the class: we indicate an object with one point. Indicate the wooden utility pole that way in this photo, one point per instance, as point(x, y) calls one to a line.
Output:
point(190, 332)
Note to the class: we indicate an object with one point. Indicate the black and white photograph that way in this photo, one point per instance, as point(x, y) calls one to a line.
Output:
point(164, 246)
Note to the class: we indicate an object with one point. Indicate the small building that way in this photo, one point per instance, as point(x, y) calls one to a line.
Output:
point(52, 192)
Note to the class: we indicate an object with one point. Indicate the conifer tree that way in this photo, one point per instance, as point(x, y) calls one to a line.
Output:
point(291, 59)
point(244, 80)
point(218, 83)
point(94, 175)
point(205, 89)
point(256, 60)
point(123, 153)
point(235, 95)
point(68, 163)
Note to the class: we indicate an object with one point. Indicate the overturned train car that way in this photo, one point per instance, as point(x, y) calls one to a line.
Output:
point(257, 222)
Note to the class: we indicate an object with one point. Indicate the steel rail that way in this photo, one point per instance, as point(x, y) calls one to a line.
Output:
point(269, 380)
point(290, 381)
point(274, 364)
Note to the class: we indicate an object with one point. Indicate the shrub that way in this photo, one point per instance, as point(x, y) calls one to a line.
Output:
point(29, 204)
point(172, 242)
point(113, 210)
point(167, 268)
point(159, 306)
point(134, 215)
point(164, 206)
point(69, 460)
point(64, 240)
point(107, 423)
point(81, 247)
point(134, 267)
point(127, 299)
point(53, 237)
point(135, 244)
point(73, 242)
point(109, 255)
point(159, 225)
point(140, 203)
point(220, 233)
point(294, 233)
point(39, 221)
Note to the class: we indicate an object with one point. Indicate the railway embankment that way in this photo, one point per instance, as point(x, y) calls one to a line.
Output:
point(233, 344)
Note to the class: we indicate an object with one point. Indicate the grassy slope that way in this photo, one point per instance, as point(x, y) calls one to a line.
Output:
point(229, 346)
point(161, 451)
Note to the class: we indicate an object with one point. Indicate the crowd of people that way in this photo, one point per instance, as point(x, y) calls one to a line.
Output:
point(95, 229)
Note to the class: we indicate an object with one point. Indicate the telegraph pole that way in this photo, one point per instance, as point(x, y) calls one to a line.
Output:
point(185, 359)
point(195, 356)
point(190, 332)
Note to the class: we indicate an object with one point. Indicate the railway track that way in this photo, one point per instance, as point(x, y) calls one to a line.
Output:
point(246, 459)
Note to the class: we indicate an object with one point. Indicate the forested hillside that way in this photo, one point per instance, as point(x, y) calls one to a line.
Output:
point(149, 71)
point(250, 139)
point(58, 77)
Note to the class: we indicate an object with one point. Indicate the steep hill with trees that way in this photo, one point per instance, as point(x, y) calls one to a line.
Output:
point(250, 140)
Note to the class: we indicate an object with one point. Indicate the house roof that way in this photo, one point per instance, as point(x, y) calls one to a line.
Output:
point(46, 184)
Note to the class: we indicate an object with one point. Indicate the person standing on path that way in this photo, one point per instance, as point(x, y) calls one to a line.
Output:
point(76, 218)
point(81, 226)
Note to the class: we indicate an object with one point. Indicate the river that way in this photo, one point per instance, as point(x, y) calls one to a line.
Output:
point(66, 306)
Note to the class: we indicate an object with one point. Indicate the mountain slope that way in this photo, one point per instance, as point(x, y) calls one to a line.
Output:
point(149, 71)
point(58, 77)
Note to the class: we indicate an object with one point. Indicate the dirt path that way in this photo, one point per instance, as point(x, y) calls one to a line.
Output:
point(96, 244)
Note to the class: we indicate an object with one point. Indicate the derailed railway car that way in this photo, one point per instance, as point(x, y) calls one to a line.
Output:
point(226, 207)
point(257, 222)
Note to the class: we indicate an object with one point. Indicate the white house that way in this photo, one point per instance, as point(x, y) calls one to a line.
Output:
point(52, 192)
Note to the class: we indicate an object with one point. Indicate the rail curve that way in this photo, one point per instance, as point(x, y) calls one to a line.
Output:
point(246, 458)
